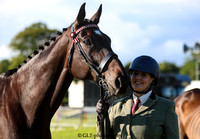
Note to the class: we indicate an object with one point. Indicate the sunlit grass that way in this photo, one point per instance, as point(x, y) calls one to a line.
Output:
point(73, 133)
point(73, 124)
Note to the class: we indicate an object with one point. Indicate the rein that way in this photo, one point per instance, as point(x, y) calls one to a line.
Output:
point(97, 69)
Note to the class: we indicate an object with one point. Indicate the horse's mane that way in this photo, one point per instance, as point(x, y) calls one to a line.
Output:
point(36, 52)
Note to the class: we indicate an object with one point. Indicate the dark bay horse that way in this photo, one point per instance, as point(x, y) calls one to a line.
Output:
point(188, 111)
point(31, 93)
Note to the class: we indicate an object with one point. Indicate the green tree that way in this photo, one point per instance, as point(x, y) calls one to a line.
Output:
point(167, 67)
point(4, 65)
point(127, 66)
point(30, 38)
point(16, 60)
point(188, 68)
point(189, 65)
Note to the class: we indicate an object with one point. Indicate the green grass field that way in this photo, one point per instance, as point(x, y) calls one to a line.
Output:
point(73, 124)
point(74, 127)
point(72, 133)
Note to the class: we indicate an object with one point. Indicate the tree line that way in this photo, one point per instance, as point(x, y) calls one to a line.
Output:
point(28, 40)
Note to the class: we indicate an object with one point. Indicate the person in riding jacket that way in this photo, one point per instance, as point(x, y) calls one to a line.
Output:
point(143, 115)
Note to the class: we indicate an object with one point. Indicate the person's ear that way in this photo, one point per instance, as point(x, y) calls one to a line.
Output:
point(152, 81)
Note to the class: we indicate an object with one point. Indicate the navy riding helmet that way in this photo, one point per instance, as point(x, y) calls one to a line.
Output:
point(146, 64)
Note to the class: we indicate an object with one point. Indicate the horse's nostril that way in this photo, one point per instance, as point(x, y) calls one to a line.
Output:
point(118, 82)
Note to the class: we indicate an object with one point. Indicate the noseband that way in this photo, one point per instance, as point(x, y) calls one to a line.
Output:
point(98, 69)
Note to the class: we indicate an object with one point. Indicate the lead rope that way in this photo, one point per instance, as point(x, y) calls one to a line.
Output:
point(103, 91)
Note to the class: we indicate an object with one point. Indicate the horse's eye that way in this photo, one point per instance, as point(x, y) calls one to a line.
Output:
point(85, 36)
point(87, 41)
point(84, 33)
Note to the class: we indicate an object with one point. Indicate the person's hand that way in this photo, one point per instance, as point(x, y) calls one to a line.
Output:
point(102, 108)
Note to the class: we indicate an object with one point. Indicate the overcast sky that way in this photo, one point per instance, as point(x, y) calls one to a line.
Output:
point(158, 28)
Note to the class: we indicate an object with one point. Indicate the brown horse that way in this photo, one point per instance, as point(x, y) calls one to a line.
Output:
point(31, 93)
point(188, 111)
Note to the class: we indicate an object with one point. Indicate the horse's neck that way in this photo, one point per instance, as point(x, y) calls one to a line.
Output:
point(41, 81)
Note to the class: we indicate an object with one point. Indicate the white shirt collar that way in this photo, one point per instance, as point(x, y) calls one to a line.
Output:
point(143, 98)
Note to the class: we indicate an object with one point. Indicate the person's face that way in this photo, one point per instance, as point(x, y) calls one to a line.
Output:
point(141, 81)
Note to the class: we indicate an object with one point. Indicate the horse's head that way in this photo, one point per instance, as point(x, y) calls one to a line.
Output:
point(91, 56)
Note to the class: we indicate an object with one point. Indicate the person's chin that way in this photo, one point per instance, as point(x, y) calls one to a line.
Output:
point(138, 89)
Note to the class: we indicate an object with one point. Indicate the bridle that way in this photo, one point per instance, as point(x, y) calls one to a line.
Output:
point(98, 69)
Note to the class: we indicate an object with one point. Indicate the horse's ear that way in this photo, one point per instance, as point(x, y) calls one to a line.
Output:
point(95, 18)
point(81, 15)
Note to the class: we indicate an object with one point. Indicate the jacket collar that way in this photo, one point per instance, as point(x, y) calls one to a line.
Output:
point(149, 103)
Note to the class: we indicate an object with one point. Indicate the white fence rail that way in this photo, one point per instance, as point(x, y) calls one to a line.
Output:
point(74, 117)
